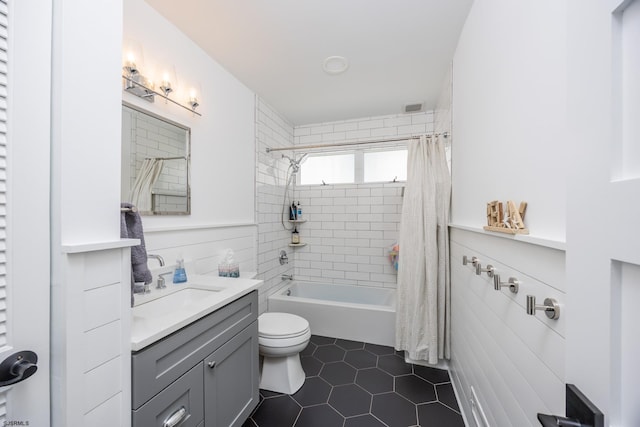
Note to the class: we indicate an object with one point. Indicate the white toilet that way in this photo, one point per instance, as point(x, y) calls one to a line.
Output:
point(281, 337)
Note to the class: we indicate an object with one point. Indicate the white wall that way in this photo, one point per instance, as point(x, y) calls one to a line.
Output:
point(222, 140)
point(508, 143)
point(222, 143)
point(85, 198)
point(509, 113)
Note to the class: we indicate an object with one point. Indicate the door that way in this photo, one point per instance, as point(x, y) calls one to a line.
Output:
point(25, 64)
point(603, 206)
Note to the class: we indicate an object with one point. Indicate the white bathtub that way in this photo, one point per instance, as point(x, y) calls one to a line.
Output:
point(358, 313)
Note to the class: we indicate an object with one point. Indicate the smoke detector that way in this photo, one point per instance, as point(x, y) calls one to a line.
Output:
point(335, 65)
point(413, 108)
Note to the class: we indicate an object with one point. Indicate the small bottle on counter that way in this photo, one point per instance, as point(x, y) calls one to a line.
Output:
point(179, 275)
point(295, 236)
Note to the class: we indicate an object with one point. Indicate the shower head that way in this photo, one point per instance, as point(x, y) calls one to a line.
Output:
point(293, 163)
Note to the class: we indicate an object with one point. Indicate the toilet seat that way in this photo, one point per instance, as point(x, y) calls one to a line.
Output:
point(282, 326)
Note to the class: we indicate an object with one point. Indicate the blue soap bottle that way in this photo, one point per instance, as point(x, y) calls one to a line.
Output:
point(180, 275)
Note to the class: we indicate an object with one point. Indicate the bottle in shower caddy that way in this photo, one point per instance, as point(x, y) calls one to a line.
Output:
point(295, 236)
point(293, 212)
point(298, 211)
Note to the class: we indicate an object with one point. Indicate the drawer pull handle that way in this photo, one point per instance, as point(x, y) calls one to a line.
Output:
point(175, 418)
point(212, 364)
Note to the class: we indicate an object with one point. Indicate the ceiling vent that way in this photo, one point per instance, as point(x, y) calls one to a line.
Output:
point(413, 108)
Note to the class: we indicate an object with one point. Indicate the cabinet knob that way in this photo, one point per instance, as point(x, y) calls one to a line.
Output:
point(211, 364)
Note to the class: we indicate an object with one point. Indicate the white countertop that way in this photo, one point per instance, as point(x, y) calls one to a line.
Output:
point(164, 311)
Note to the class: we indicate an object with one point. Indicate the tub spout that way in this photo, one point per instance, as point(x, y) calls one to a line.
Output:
point(287, 277)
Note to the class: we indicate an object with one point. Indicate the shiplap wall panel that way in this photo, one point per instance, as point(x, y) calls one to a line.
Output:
point(514, 361)
point(510, 307)
point(106, 414)
point(205, 246)
point(543, 263)
point(102, 383)
point(101, 344)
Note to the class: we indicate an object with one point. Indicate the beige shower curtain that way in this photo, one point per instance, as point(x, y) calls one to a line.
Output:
point(141, 192)
point(423, 310)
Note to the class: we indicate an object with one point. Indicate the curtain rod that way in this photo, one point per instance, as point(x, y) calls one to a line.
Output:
point(348, 143)
point(166, 158)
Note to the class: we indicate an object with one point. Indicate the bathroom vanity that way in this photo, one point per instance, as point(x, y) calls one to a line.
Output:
point(205, 373)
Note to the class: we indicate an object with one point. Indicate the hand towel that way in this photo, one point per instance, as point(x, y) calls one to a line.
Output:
point(131, 227)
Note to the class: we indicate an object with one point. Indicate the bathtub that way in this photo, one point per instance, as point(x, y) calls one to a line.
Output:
point(358, 313)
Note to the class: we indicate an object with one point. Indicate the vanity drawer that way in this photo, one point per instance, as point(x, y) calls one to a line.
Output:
point(185, 396)
point(155, 367)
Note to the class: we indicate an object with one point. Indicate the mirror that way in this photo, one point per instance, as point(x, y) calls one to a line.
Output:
point(155, 163)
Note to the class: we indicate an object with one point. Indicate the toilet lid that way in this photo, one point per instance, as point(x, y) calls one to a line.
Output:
point(281, 325)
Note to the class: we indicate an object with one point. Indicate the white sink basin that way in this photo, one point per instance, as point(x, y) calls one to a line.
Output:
point(175, 301)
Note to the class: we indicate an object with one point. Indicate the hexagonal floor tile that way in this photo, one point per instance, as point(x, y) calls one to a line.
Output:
point(338, 373)
point(313, 392)
point(393, 365)
point(415, 389)
point(437, 415)
point(393, 410)
point(361, 359)
point(363, 421)
point(447, 396)
point(349, 345)
point(311, 366)
point(329, 353)
point(280, 411)
point(374, 380)
point(379, 350)
point(350, 400)
point(433, 375)
point(309, 349)
point(320, 340)
point(319, 416)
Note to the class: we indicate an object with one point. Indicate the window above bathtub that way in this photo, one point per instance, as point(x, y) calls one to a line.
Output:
point(354, 167)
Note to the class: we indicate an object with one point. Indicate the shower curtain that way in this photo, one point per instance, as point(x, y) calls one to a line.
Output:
point(423, 298)
point(140, 194)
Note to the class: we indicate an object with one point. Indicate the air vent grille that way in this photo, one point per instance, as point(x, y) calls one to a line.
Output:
point(413, 108)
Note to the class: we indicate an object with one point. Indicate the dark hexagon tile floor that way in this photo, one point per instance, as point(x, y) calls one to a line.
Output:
point(355, 384)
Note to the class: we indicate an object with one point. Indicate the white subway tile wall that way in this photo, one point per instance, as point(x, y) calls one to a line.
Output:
point(350, 227)
point(272, 130)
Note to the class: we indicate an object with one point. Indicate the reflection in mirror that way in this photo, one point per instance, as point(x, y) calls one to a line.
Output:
point(155, 163)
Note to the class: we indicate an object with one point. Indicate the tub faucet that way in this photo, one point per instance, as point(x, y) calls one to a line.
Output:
point(158, 257)
point(287, 277)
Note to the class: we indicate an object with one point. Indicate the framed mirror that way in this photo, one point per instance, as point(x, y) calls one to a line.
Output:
point(156, 157)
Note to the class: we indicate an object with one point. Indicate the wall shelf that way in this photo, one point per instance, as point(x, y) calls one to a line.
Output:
point(525, 238)
point(296, 245)
point(297, 221)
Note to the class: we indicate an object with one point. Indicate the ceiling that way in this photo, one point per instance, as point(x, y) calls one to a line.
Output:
point(398, 50)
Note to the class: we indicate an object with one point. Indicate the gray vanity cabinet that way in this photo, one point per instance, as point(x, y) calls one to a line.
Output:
point(231, 380)
point(204, 375)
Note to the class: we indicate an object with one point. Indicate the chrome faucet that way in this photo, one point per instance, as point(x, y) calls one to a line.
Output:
point(161, 280)
point(158, 257)
point(287, 277)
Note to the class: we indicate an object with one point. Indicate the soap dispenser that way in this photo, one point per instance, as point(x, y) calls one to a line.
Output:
point(179, 275)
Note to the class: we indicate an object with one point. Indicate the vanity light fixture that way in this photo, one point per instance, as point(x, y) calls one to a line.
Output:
point(193, 100)
point(135, 82)
point(165, 87)
point(138, 85)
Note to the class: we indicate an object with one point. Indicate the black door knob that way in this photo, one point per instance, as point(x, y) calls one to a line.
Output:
point(17, 367)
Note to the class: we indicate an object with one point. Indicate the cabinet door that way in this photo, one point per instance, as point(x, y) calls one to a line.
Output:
point(231, 380)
